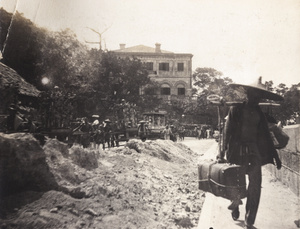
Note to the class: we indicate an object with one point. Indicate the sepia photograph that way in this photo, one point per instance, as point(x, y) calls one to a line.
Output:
point(162, 114)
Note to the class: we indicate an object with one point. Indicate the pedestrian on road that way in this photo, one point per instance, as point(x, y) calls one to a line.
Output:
point(167, 132)
point(173, 135)
point(181, 133)
point(99, 137)
point(95, 126)
point(85, 128)
point(202, 134)
point(248, 143)
point(107, 133)
point(143, 130)
point(198, 132)
point(208, 133)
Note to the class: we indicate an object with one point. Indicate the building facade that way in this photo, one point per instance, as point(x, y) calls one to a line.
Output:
point(172, 71)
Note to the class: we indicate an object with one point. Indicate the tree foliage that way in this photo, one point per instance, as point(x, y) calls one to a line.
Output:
point(22, 45)
point(116, 79)
point(289, 108)
point(5, 20)
point(62, 60)
point(209, 81)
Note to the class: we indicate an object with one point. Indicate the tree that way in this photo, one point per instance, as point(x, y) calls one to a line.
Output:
point(5, 20)
point(281, 89)
point(149, 101)
point(122, 79)
point(180, 107)
point(289, 108)
point(21, 47)
point(35, 52)
point(63, 60)
point(209, 81)
point(203, 77)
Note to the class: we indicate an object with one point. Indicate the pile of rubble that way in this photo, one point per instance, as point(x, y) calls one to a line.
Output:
point(150, 184)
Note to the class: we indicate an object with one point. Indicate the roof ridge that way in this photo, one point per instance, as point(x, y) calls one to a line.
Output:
point(141, 48)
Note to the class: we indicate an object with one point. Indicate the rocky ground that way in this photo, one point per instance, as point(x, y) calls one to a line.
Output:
point(150, 184)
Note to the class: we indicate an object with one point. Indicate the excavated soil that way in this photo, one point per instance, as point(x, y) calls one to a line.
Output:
point(150, 184)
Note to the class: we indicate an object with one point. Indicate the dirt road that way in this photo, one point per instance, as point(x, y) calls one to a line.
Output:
point(205, 148)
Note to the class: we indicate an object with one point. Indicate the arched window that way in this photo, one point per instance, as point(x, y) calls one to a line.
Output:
point(165, 89)
point(180, 89)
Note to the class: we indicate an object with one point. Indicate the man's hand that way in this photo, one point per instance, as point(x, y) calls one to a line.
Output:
point(221, 159)
point(278, 163)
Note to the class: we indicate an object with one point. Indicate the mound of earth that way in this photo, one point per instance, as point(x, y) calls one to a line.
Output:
point(150, 184)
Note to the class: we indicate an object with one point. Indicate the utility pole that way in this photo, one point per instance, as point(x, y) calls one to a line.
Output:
point(100, 37)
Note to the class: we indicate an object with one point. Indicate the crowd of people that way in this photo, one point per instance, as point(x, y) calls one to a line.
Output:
point(95, 134)
point(204, 132)
point(173, 133)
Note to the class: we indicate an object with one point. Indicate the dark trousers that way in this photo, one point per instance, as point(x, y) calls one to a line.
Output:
point(254, 190)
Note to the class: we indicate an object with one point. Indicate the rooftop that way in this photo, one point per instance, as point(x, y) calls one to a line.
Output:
point(141, 49)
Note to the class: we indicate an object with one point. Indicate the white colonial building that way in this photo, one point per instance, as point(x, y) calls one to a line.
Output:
point(173, 71)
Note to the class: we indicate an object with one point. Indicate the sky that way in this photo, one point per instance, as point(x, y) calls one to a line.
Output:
point(244, 39)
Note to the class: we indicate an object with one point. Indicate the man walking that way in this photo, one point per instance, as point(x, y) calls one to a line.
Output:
point(248, 143)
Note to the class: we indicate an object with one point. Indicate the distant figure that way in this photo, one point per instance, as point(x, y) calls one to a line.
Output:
point(99, 137)
point(167, 133)
point(208, 133)
point(202, 134)
point(86, 129)
point(173, 135)
point(114, 136)
point(181, 133)
point(198, 132)
point(95, 126)
point(143, 130)
point(107, 133)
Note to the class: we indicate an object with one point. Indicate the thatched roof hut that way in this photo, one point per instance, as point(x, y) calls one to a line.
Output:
point(15, 90)
point(8, 77)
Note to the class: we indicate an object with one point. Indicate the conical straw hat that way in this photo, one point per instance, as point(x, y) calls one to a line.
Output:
point(260, 89)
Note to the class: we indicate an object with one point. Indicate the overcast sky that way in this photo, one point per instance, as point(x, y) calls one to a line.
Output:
point(243, 39)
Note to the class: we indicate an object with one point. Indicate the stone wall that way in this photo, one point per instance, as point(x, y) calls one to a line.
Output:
point(290, 157)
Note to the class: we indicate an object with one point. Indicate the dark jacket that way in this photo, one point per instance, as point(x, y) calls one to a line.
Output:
point(232, 141)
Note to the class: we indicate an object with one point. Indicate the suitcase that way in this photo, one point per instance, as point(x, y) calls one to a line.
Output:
point(224, 180)
point(203, 171)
